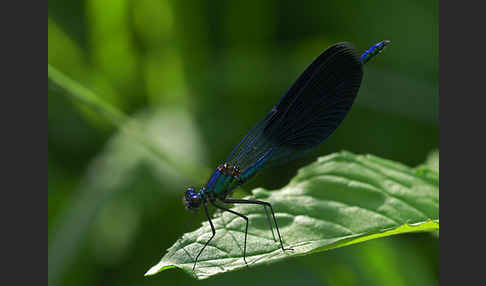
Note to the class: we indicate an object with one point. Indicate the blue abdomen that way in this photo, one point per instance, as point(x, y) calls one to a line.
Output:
point(373, 51)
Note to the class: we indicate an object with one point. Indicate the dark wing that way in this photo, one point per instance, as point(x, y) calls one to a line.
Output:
point(307, 114)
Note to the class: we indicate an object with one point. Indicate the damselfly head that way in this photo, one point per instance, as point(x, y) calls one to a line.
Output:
point(192, 199)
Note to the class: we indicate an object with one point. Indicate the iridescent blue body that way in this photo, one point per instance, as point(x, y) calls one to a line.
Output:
point(373, 51)
point(226, 178)
point(306, 115)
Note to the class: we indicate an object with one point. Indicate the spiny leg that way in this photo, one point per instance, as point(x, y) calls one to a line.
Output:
point(212, 229)
point(246, 229)
point(240, 182)
point(255, 202)
point(269, 223)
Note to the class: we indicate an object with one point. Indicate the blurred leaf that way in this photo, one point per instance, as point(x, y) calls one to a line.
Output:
point(65, 54)
point(86, 96)
point(153, 21)
point(341, 199)
point(165, 79)
point(111, 173)
point(134, 129)
point(113, 47)
point(62, 51)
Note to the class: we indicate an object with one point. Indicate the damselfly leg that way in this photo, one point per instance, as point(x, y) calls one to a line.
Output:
point(264, 204)
point(246, 228)
point(212, 229)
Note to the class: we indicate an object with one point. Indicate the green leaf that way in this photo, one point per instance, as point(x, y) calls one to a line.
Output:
point(433, 161)
point(430, 169)
point(341, 199)
point(86, 96)
point(134, 129)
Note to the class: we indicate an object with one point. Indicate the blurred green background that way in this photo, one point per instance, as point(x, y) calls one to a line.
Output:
point(197, 75)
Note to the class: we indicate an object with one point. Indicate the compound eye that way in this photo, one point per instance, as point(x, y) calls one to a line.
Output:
point(190, 192)
point(191, 200)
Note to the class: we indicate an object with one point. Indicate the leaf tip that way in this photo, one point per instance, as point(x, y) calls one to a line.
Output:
point(151, 271)
point(158, 268)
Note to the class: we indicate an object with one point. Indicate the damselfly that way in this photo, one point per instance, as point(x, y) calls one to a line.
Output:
point(305, 116)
